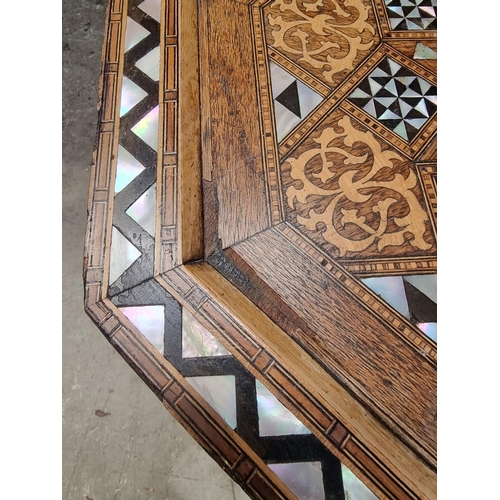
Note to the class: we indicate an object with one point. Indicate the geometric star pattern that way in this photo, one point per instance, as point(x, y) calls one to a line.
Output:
point(397, 98)
point(412, 15)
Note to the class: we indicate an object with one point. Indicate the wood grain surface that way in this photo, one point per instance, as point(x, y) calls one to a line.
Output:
point(349, 340)
point(233, 154)
point(190, 174)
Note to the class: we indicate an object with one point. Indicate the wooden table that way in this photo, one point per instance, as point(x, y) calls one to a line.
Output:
point(261, 243)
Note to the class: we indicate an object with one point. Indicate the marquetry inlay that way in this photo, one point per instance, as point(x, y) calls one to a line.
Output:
point(261, 243)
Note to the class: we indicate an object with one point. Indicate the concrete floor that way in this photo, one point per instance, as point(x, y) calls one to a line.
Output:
point(138, 451)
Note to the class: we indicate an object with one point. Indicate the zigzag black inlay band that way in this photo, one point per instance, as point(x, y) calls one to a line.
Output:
point(142, 268)
point(272, 449)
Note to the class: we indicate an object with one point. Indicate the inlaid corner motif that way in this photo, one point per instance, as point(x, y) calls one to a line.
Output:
point(326, 37)
point(355, 196)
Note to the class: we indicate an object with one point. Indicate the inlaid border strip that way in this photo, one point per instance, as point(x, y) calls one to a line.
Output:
point(427, 173)
point(166, 251)
point(179, 171)
point(270, 152)
point(102, 174)
point(142, 267)
point(391, 267)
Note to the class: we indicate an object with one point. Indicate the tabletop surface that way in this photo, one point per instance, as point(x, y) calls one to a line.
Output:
point(261, 241)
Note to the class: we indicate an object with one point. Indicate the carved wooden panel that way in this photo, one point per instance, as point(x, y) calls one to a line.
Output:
point(261, 245)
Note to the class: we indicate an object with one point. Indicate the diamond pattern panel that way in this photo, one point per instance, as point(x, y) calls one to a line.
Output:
point(354, 488)
point(220, 393)
point(152, 8)
point(127, 169)
point(305, 479)
point(274, 418)
point(123, 255)
point(293, 100)
point(412, 15)
point(147, 128)
point(150, 64)
point(134, 33)
point(397, 98)
point(132, 94)
point(143, 211)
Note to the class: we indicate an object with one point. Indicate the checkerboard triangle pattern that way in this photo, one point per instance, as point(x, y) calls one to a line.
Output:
point(397, 98)
point(412, 15)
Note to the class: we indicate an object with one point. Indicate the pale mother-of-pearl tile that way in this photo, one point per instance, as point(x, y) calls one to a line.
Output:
point(150, 321)
point(219, 391)
point(122, 255)
point(143, 210)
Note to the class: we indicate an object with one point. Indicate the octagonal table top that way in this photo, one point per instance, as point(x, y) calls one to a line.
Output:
point(261, 240)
